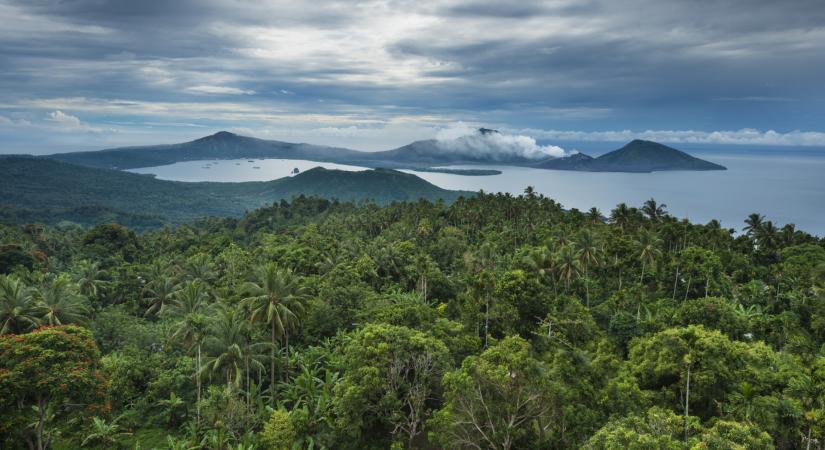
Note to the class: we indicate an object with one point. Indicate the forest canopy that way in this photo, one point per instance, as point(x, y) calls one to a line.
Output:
point(494, 322)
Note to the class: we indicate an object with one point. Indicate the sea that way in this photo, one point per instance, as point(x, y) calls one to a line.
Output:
point(784, 185)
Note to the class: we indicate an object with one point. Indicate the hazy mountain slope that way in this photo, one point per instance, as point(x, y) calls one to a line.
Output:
point(222, 145)
point(578, 161)
point(648, 156)
point(637, 156)
point(40, 189)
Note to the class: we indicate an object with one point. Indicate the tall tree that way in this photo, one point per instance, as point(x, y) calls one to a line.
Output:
point(17, 308)
point(753, 223)
point(59, 303)
point(159, 293)
point(276, 298)
point(496, 399)
point(567, 265)
point(649, 250)
point(47, 376)
point(190, 308)
point(654, 211)
point(590, 251)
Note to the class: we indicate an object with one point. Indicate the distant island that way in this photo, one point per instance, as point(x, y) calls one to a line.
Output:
point(466, 172)
point(63, 192)
point(425, 155)
point(636, 156)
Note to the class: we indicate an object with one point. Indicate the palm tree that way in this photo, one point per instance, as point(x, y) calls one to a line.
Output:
point(89, 277)
point(190, 306)
point(59, 303)
point(567, 265)
point(277, 299)
point(589, 250)
point(171, 406)
point(103, 432)
point(232, 348)
point(788, 235)
point(649, 249)
point(200, 267)
point(654, 211)
point(621, 216)
point(17, 308)
point(481, 264)
point(224, 346)
point(160, 292)
point(753, 222)
point(594, 215)
point(767, 235)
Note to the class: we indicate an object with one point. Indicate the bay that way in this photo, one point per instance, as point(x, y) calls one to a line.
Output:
point(786, 188)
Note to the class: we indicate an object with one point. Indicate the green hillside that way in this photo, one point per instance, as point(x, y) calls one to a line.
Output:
point(45, 190)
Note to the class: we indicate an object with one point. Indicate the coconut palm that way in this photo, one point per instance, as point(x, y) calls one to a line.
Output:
point(58, 302)
point(654, 211)
point(190, 306)
point(231, 347)
point(621, 216)
point(767, 235)
point(753, 223)
point(589, 250)
point(159, 293)
point(89, 278)
point(594, 215)
point(200, 267)
point(788, 235)
point(17, 308)
point(649, 245)
point(567, 265)
point(224, 346)
point(276, 298)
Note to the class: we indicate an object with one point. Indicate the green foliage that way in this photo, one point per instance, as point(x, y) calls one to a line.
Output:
point(492, 322)
point(391, 373)
point(278, 432)
point(496, 400)
point(46, 376)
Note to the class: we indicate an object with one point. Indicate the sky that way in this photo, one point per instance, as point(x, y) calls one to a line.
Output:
point(374, 75)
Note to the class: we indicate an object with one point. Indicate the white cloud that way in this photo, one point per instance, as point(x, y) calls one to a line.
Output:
point(463, 138)
point(66, 120)
point(745, 136)
point(221, 90)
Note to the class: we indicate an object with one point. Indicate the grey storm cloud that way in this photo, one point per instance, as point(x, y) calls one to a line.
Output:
point(585, 64)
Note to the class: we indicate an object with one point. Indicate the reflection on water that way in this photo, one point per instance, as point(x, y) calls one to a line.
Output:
point(236, 169)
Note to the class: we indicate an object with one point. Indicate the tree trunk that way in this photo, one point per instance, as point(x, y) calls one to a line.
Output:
point(641, 278)
point(808, 445)
point(198, 380)
point(41, 423)
point(272, 364)
point(675, 281)
point(286, 363)
point(586, 287)
point(486, 319)
point(687, 401)
point(707, 284)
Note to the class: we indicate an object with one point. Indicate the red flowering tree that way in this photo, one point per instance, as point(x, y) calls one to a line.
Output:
point(46, 376)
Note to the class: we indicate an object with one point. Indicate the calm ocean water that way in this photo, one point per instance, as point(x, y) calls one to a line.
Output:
point(786, 188)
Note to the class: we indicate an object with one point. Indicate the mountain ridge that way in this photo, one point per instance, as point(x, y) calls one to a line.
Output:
point(64, 191)
point(636, 156)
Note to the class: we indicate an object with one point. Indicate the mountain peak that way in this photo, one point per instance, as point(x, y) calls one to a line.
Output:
point(486, 131)
point(223, 135)
point(219, 137)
